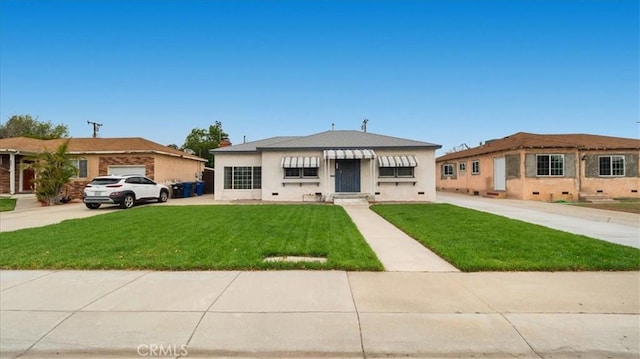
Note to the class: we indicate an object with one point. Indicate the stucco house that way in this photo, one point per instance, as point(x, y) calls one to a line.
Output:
point(544, 167)
point(326, 166)
point(97, 157)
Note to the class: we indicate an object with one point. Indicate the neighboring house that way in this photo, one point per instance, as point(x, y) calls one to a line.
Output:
point(326, 166)
point(544, 167)
point(96, 157)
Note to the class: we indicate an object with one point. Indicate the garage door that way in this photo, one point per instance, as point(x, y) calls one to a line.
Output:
point(127, 170)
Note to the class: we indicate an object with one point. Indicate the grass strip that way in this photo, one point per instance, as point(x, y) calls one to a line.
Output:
point(7, 204)
point(477, 241)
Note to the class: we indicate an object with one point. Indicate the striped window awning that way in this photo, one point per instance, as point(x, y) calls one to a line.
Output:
point(300, 162)
point(398, 161)
point(349, 154)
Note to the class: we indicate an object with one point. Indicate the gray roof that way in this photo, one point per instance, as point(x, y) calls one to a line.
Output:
point(254, 145)
point(329, 140)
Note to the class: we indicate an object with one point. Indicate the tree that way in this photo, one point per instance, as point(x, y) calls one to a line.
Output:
point(27, 126)
point(53, 172)
point(201, 140)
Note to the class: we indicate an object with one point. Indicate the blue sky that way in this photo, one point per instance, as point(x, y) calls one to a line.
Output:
point(447, 72)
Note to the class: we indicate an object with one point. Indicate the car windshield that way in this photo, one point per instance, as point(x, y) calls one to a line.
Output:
point(105, 181)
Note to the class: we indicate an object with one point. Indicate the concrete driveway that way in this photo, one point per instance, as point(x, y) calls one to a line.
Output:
point(611, 226)
point(29, 213)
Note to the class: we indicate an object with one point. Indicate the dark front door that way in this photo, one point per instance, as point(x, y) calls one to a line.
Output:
point(28, 176)
point(347, 176)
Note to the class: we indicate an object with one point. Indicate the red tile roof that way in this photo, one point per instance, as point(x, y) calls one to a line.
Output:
point(522, 140)
point(93, 146)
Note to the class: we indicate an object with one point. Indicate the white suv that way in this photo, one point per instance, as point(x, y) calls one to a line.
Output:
point(123, 190)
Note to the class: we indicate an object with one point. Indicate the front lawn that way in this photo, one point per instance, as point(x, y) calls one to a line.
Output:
point(193, 238)
point(478, 241)
point(7, 204)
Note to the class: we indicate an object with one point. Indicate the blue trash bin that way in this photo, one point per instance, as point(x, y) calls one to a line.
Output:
point(187, 189)
point(199, 188)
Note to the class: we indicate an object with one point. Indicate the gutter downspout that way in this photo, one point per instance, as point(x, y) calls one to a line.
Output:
point(372, 165)
point(579, 174)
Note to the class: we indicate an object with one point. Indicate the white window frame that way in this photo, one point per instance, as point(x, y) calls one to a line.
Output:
point(398, 172)
point(76, 164)
point(462, 166)
point(550, 169)
point(447, 169)
point(254, 176)
point(611, 168)
point(302, 172)
point(475, 167)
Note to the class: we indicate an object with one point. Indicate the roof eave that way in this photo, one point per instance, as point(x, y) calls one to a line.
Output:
point(322, 148)
point(186, 156)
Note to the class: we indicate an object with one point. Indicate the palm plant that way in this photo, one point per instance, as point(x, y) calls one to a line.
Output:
point(53, 172)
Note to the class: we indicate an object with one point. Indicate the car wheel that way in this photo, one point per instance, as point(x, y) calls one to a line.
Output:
point(128, 201)
point(164, 195)
point(92, 205)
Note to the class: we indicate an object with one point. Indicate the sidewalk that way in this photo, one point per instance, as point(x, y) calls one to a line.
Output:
point(611, 226)
point(318, 314)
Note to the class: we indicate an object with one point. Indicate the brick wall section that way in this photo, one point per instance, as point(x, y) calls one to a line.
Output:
point(74, 189)
point(147, 161)
point(5, 185)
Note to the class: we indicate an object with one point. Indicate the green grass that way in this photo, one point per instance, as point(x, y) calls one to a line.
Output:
point(478, 241)
point(193, 238)
point(7, 204)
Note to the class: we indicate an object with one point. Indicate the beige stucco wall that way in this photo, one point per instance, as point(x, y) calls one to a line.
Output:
point(276, 188)
point(170, 169)
point(614, 187)
point(466, 182)
point(547, 188)
point(231, 160)
point(425, 180)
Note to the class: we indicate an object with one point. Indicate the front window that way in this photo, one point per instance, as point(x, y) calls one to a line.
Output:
point(301, 172)
point(475, 167)
point(396, 172)
point(242, 177)
point(610, 166)
point(81, 165)
point(447, 170)
point(257, 177)
point(462, 166)
point(549, 165)
point(387, 172)
point(292, 173)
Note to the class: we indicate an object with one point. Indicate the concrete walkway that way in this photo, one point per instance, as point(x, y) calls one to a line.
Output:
point(611, 226)
point(67, 314)
point(395, 249)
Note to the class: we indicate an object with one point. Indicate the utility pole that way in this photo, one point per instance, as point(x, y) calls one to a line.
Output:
point(96, 127)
